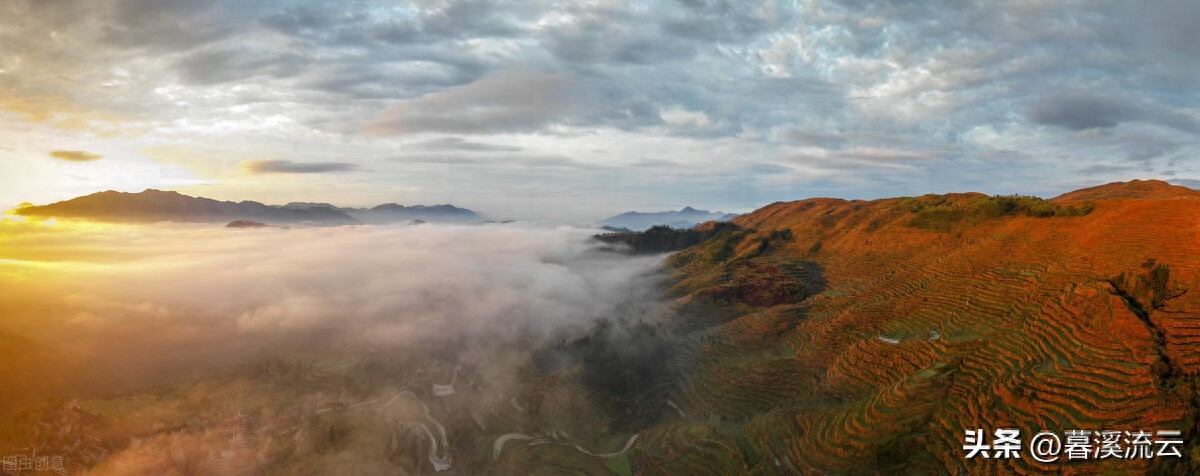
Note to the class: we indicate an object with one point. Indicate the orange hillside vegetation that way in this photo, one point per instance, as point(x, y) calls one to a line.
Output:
point(835, 335)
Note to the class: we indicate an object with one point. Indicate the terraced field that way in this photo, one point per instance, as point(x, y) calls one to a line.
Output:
point(835, 336)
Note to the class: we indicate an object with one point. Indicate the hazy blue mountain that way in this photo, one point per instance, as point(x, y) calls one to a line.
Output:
point(394, 213)
point(303, 205)
point(156, 206)
point(685, 218)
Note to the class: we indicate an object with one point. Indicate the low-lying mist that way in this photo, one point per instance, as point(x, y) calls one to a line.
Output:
point(138, 305)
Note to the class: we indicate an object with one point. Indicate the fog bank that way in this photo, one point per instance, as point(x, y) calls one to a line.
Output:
point(147, 303)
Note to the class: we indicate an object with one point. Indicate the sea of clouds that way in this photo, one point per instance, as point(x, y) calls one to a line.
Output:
point(150, 303)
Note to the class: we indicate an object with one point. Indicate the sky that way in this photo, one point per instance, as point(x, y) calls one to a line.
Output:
point(573, 111)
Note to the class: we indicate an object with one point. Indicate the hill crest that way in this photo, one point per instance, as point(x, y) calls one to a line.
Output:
point(1135, 189)
point(865, 341)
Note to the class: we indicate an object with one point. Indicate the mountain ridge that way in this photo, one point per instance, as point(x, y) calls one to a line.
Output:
point(686, 217)
point(1139, 189)
point(153, 205)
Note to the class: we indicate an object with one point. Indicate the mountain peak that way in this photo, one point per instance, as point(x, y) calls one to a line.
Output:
point(155, 191)
point(1135, 189)
point(303, 205)
point(684, 218)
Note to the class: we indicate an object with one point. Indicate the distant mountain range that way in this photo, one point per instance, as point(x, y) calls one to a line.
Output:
point(686, 218)
point(157, 205)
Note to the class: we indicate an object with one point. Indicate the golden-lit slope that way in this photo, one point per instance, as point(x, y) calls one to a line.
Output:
point(28, 371)
point(1140, 189)
point(841, 336)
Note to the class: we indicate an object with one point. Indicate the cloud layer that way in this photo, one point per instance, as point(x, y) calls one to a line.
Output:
point(145, 304)
point(74, 155)
point(275, 166)
point(503, 103)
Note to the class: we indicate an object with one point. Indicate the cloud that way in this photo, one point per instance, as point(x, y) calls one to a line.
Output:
point(1081, 111)
point(505, 102)
point(275, 166)
point(75, 155)
point(831, 140)
point(229, 64)
point(1158, 34)
point(500, 161)
point(153, 305)
point(1190, 183)
point(163, 25)
point(593, 42)
point(463, 145)
point(1102, 169)
point(869, 159)
point(872, 154)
